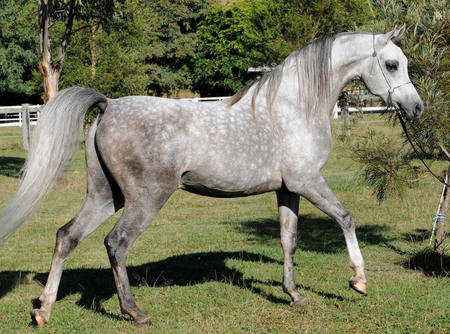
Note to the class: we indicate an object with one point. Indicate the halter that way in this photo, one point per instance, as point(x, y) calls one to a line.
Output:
point(402, 122)
point(391, 89)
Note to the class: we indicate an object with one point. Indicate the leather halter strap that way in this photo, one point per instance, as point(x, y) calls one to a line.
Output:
point(402, 121)
point(391, 88)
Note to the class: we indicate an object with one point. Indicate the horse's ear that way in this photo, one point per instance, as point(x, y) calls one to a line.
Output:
point(385, 38)
point(396, 33)
point(399, 32)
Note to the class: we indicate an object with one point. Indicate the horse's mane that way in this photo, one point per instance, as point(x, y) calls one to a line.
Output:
point(312, 66)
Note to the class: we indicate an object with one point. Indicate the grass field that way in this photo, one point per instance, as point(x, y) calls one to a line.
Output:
point(214, 265)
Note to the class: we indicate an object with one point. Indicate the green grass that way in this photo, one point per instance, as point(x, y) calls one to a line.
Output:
point(214, 265)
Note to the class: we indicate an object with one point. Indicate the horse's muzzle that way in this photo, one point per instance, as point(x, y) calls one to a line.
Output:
point(411, 110)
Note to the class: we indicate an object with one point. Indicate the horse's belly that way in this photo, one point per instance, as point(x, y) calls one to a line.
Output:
point(219, 187)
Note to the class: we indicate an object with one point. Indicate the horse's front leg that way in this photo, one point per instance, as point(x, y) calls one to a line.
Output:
point(288, 211)
point(319, 194)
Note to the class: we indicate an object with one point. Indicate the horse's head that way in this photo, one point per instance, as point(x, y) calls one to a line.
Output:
point(386, 74)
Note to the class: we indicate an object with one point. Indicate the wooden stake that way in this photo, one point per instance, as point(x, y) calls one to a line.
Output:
point(443, 207)
point(343, 103)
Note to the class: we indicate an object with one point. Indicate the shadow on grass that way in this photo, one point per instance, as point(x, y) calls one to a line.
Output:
point(10, 279)
point(11, 166)
point(324, 235)
point(428, 261)
point(425, 259)
point(417, 235)
point(97, 285)
point(314, 234)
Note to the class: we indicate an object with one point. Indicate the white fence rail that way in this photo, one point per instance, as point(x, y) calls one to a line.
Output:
point(335, 114)
point(13, 116)
point(365, 110)
point(206, 99)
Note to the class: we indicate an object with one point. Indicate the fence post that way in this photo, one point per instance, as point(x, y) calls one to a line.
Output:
point(346, 126)
point(26, 126)
point(344, 103)
point(334, 114)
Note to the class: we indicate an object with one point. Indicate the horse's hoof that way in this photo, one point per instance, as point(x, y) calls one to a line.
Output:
point(38, 318)
point(144, 322)
point(358, 286)
point(301, 302)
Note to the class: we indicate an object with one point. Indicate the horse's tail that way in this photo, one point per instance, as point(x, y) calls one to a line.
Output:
point(53, 148)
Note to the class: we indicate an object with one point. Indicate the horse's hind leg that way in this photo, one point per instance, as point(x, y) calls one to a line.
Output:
point(68, 237)
point(288, 210)
point(102, 201)
point(138, 213)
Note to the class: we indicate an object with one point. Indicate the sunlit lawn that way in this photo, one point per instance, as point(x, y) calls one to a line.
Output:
point(214, 265)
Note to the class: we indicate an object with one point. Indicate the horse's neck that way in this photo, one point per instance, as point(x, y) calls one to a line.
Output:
point(349, 54)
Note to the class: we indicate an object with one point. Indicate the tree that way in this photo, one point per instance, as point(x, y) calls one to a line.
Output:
point(51, 12)
point(288, 25)
point(426, 44)
point(388, 165)
point(111, 59)
point(171, 44)
point(18, 57)
point(246, 33)
point(228, 45)
point(147, 48)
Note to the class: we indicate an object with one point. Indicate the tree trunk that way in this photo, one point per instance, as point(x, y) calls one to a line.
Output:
point(93, 47)
point(52, 71)
point(51, 80)
point(45, 66)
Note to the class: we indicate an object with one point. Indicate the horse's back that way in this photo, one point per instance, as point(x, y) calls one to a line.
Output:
point(139, 140)
point(205, 148)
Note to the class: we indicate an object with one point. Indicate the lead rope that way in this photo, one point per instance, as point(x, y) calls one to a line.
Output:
point(402, 122)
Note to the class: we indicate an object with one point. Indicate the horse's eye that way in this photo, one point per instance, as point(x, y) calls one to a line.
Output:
point(391, 65)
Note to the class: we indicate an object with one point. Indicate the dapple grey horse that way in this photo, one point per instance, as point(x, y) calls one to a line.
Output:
point(274, 135)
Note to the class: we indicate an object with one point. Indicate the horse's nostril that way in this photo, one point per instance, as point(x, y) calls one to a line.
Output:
point(419, 108)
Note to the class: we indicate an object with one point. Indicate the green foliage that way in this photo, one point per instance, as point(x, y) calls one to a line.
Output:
point(18, 48)
point(337, 15)
point(156, 47)
point(146, 48)
point(99, 10)
point(263, 32)
point(171, 44)
point(63, 13)
point(288, 25)
point(280, 27)
point(425, 42)
point(386, 168)
point(228, 45)
point(109, 60)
